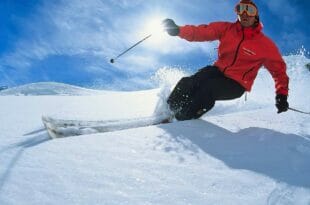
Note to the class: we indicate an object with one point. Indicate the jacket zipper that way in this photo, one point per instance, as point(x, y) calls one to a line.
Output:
point(247, 72)
point(237, 51)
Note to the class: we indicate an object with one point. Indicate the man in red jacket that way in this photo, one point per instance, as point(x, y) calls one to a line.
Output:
point(243, 49)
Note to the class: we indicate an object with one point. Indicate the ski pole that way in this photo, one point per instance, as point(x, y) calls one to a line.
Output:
point(293, 109)
point(113, 59)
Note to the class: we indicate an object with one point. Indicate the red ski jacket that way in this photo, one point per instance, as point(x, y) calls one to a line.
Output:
point(241, 52)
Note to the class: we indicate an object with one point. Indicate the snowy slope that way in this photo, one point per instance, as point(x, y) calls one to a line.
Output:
point(49, 88)
point(241, 152)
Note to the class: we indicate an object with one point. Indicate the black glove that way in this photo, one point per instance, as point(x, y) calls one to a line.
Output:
point(281, 103)
point(171, 28)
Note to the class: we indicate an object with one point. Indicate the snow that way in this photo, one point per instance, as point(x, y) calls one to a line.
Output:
point(49, 88)
point(241, 152)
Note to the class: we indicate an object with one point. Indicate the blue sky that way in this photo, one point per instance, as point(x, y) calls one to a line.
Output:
point(73, 41)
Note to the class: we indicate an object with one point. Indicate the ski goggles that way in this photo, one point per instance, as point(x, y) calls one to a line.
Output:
point(250, 9)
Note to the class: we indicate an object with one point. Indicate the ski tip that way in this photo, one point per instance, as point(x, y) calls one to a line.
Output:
point(46, 118)
point(46, 121)
point(52, 134)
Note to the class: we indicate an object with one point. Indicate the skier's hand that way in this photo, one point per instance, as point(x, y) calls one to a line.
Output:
point(171, 28)
point(281, 103)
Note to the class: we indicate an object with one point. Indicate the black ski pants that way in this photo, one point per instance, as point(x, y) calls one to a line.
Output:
point(195, 95)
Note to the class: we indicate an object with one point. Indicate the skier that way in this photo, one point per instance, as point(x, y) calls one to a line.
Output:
point(243, 49)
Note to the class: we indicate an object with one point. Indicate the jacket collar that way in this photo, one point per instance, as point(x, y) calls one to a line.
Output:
point(250, 32)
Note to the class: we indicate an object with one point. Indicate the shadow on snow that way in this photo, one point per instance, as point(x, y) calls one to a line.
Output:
point(283, 157)
point(18, 149)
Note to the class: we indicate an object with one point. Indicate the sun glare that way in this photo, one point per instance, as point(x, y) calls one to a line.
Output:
point(154, 26)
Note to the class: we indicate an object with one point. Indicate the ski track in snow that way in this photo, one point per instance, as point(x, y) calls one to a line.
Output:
point(242, 152)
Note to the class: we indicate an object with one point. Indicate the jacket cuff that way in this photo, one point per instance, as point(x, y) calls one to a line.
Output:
point(282, 92)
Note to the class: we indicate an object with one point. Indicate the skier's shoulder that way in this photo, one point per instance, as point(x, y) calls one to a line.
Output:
point(268, 42)
point(221, 23)
point(222, 26)
point(271, 50)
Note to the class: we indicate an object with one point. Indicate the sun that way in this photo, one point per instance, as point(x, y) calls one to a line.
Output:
point(154, 27)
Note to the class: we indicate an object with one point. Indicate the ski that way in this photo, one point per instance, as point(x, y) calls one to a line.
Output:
point(58, 128)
